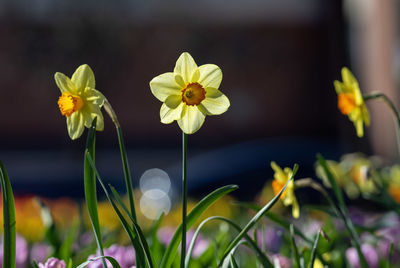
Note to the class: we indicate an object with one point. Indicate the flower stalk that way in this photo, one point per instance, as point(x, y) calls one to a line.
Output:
point(127, 174)
point(389, 103)
point(184, 197)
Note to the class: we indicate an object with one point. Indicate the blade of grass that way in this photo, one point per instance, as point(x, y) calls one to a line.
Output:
point(295, 251)
point(9, 222)
point(113, 262)
point(258, 216)
point(314, 250)
point(233, 262)
point(66, 246)
point(259, 253)
point(277, 220)
point(90, 188)
point(193, 215)
point(135, 234)
point(343, 212)
point(227, 261)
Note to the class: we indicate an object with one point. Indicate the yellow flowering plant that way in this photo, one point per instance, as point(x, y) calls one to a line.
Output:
point(80, 102)
point(281, 177)
point(189, 93)
point(351, 102)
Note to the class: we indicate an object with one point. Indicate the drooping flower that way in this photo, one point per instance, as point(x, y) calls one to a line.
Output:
point(80, 102)
point(288, 197)
point(53, 263)
point(351, 102)
point(189, 93)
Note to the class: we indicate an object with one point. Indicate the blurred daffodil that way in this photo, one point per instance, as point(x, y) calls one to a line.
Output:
point(189, 93)
point(288, 197)
point(394, 180)
point(80, 102)
point(351, 102)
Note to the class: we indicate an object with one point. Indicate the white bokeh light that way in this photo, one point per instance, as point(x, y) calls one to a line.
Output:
point(155, 186)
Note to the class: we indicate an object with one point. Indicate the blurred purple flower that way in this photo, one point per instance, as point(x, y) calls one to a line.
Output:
point(125, 256)
point(165, 235)
point(369, 252)
point(282, 260)
point(39, 252)
point(22, 252)
point(272, 239)
point(53, 263)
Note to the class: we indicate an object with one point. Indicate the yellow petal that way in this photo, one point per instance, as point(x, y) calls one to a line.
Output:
point(365, 115)
point(75, 125)
point(195, 75)
point(168, 115)
point(295, 209)
point(94, 96)
point(338, 87)
point(90, 111)
point(210, 75)
point(164, 85)
point(359, 127)
point(215, 102)
point(64, 83)
point(191, 120)
point(83, 77)
point(348, 77)
point(185, 65)
point(173, 101)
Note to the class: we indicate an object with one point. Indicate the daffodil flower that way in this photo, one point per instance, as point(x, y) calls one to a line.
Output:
point(288, 198)
point(351, 102)
point(80, 102)
point(189, 93)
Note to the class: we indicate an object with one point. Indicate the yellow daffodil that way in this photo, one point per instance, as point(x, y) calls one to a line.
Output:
point(281, 177)
point(351, 102)
point(189, 93)
point(80, 102)
point(394, 180)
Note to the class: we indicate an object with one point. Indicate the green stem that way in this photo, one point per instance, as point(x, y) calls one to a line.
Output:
point(124, 157)
point(390, 104)
point(184, 198)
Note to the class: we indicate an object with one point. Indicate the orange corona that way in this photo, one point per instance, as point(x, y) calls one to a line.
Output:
point(69, 103)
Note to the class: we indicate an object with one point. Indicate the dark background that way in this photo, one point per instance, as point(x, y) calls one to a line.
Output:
point(278, 58)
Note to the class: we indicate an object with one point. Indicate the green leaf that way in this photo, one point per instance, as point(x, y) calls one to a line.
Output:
point(314, 250)
point(295, 251)
point(343, 212)
point(233, 262)
point(90, 188)
point(113, 262)
point(34, 264)
point(9, 222)
point(259, 253)
point(277, 220)
point(66, 246)
point(135, 234)
point(258, 216)
point(193, 215)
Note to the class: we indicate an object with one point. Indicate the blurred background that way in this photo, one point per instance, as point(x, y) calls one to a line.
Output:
point(279, 59)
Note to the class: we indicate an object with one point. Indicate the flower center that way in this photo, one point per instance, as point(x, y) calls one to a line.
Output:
point(69, 103)
point(346, 103)
point(193, 94)
point(277, 187)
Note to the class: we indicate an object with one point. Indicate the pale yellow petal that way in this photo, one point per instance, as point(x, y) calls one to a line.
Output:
point(195, 76)
point(365, 115)
point(90, 111)
point(173, 101)
point(64, 83)
point(168, 115)
point(83, 77)
point(295, 209)
point(279, 175)
point(179, 80)
point(93, 96)
point(359, 127)
point(210, 75)
point(215, 102)
point(348, 77)
point(191, 120)
point(338, 87)
point(75, 125)
point(185, 65)
point(164, 85)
